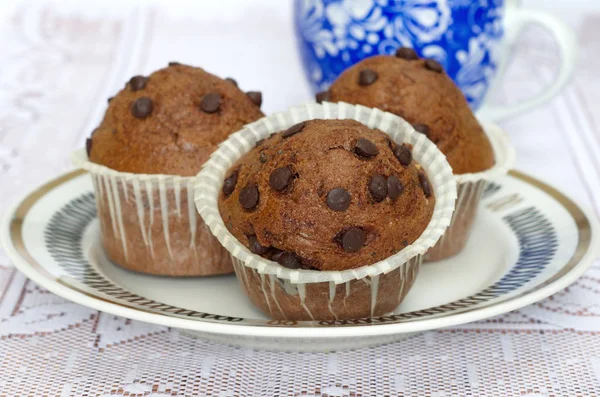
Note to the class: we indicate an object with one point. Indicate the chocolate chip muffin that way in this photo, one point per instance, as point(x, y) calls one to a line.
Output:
point(419, 91)
point(156, 134)
point(327, 195)
point(171, 121)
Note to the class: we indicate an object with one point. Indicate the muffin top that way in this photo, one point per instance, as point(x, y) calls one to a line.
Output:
point(419, 91)
point(171, 121)
point(326, 195)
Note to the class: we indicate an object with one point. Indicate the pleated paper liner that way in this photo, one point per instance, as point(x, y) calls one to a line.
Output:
point(326, 295)
point(470, 189)
point(149, 223)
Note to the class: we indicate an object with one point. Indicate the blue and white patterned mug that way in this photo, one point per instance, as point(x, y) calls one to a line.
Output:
point(466, 36)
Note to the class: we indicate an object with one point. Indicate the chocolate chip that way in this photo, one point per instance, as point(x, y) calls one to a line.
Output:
point(172, 63)
point(276, 254)
point(338, 199)
point(353, 239)
point(281, 178)
point(249, 197)
point(88, 146)
point(296, 128)
point(434, 66)
point(365, 148)
point(288, 259)
point(211, 102)
point(259, 142)
point(138, 83)
point(255, 97)
point(263, 157)
point(323, 96)
point(403, 154)
point(422, 128)
point(406, 53)
point(367, 77)
point(255, 246)
point(232, 81)
point(394, 187)
point(425, 184)
point(142, 107)
point(110, 99)
point(229, 183)
point(378, 187)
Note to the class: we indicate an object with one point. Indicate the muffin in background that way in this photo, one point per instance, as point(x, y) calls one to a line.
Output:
point(419, 91)
point(171, 121)
point(155, 135)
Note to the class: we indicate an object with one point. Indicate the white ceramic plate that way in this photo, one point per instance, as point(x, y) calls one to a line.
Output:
point(529, 242)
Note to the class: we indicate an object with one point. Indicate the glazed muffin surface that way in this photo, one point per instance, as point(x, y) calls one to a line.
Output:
point(419, 91)
point(326, 195)
point(171, 121)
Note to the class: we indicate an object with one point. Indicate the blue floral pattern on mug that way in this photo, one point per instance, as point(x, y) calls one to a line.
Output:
point(463, 35)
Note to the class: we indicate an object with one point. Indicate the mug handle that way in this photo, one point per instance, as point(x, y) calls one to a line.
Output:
point(567, 45)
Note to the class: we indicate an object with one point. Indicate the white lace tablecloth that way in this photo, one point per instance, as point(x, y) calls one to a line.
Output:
point(61, 60)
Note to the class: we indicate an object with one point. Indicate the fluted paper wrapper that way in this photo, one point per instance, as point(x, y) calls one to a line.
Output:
point(470, 189)
point(290, 294)
point(149, 223)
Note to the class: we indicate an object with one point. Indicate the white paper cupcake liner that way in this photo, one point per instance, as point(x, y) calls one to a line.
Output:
point(149, 223)
point(470, 189)
point(381, 291)
point(210, 181)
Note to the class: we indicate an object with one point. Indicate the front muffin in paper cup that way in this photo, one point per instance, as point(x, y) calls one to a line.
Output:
point(328, 295)
point(470, 189)
point(149, 223)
